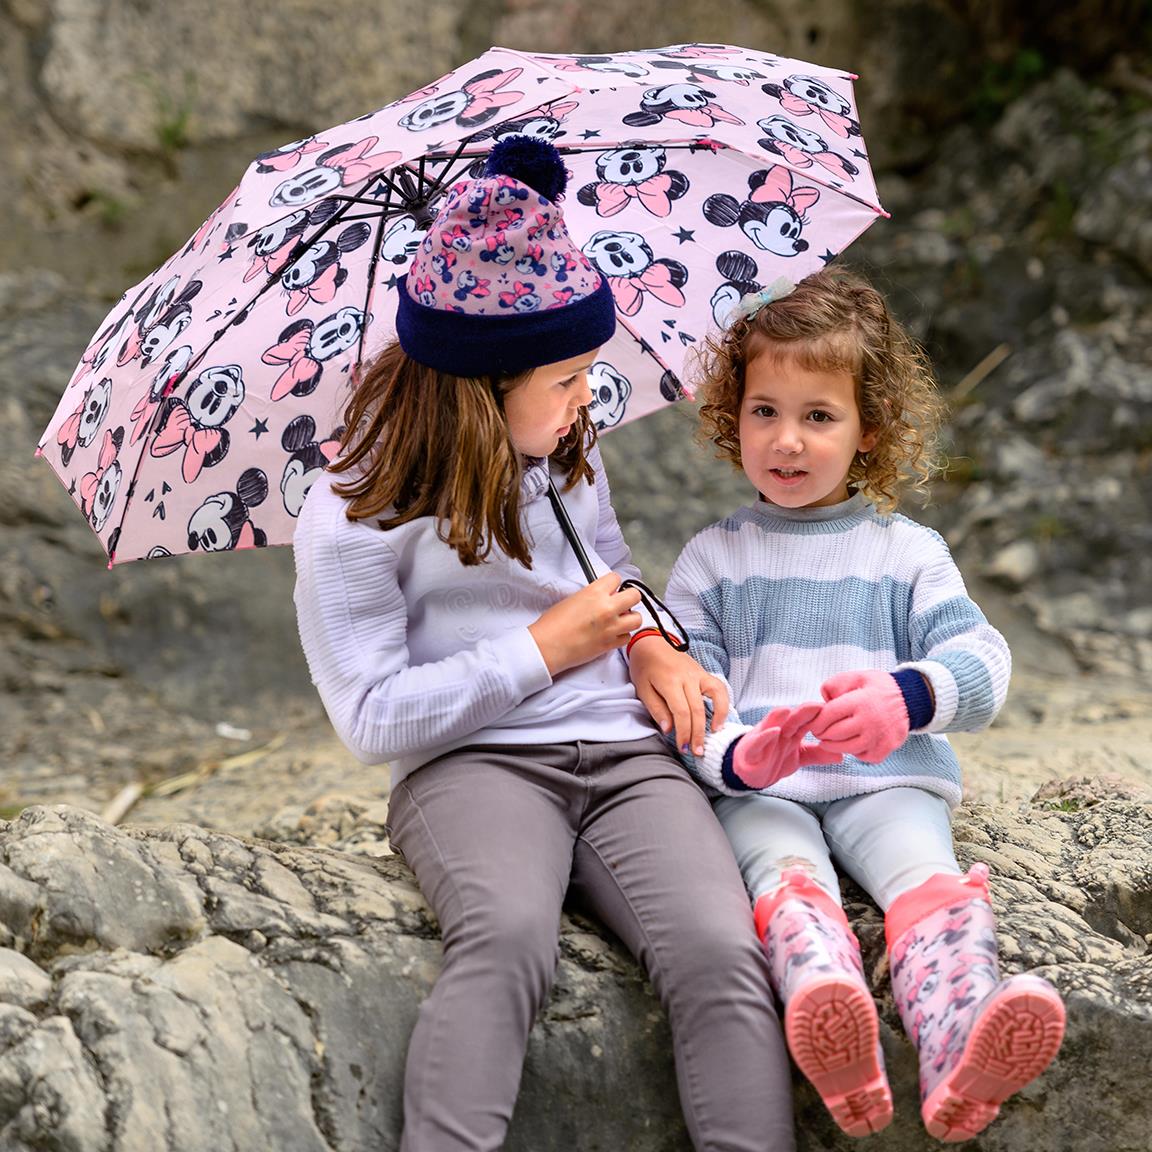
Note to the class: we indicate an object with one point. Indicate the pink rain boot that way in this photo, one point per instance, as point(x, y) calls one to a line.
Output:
point(979, 1038)
point(830, 1017)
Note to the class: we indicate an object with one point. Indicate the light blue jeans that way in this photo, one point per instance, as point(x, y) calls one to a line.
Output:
point(888, 842)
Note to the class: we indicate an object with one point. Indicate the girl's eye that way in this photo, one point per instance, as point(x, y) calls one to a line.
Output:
point(764, 410)
point(819, 417)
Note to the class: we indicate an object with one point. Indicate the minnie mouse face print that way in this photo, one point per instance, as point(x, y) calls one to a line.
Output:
point(195, 424)
point(99, 487)
point(477, 102)
point(80, 429)
point(801, 147)
point(685, 103)
point(805, 96)
point(316, 274)
point(160, 320)
point(610, 65)
point(223, 522)
point(632, 271)
point(634, 175)
point(345, 166)
point(610, 392)
point(304, 346)
point(773, 216)
point(307, 460)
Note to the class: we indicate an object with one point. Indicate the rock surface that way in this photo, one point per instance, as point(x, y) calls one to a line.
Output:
point(181, 990)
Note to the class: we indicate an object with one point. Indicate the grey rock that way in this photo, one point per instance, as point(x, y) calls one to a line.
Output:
point(269, 1002)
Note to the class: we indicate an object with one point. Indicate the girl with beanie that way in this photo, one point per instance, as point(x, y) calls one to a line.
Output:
point(851, 647)
point(451, 633)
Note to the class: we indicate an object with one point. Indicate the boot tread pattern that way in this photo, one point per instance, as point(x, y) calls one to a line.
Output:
point(833, 1034)
point(1015, 1037)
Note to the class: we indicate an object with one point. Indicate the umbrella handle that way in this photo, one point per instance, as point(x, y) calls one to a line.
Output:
point(656, 607)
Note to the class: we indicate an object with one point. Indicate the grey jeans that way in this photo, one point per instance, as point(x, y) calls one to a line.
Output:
point(888, 841)
point(497, 836)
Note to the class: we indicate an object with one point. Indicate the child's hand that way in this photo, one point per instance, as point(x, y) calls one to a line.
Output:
point(672, 686)
point(775, 748)
point(587, 624)
point(865, 715)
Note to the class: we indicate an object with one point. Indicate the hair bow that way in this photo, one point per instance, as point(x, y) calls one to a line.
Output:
point(751, 302)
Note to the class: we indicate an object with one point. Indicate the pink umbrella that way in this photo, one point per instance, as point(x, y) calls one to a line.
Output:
point(211, 397)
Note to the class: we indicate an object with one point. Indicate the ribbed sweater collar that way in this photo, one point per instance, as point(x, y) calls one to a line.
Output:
point(831, 518)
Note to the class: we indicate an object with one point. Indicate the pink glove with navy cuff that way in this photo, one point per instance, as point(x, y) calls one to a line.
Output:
point(865, 715)
point(775, 748)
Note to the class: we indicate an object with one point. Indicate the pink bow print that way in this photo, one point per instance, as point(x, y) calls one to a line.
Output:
point(90, 481)
point(283, 161)
point(354, 166)
point(779, 189)
point(181, 431)
point(273, 262)
point(485, 94)
point(705, 117)
point(302, 369)
point(841, 125)
point(656, 279)
point(520, 288)
point(798, 158)
point(69, 432)
point(321, 290)
point(651, 193)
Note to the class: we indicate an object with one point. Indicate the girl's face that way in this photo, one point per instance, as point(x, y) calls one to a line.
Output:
point(542, 409)
point(799, 432)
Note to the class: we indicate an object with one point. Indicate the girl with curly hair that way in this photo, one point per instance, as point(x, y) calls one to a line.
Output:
point(850, 646)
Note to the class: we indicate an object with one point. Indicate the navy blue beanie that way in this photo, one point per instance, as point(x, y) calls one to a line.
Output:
point(497, 286)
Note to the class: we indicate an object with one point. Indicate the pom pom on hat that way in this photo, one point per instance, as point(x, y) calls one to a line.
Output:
point(497, 286)
point(532, 161)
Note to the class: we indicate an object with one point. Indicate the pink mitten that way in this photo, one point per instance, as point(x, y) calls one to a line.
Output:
point(775, 748)
point(865, 715)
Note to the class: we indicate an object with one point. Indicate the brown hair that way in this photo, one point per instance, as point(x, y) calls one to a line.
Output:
point(834, 320)
point(419, 442)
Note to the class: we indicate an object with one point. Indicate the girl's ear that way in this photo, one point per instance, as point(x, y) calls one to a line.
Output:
point(867, 441)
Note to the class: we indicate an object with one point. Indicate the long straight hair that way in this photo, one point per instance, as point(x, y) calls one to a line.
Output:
point(419, 442)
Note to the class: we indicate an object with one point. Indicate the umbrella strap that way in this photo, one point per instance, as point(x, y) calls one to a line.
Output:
point(656, 607)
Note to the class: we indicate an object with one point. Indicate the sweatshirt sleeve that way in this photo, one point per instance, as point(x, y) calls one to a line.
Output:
point(965, 659)
point(685, 597)
point(353, 622)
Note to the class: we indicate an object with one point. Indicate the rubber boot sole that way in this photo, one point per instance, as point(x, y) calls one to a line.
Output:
point(833, 1034)
point(1015, 1037)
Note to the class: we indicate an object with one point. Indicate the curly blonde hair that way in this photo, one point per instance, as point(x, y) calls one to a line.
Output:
point(833, 321)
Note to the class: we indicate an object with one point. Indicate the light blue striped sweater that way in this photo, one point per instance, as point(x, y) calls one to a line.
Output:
point(776, 600)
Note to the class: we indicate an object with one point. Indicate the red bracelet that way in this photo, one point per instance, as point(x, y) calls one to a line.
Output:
point(640, 636)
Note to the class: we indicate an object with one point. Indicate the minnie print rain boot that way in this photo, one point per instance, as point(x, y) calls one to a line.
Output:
point(979, 1038)
point(830, 1018)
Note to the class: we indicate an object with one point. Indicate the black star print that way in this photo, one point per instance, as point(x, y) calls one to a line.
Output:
point(828, 256)
point(684, 236)
point(259, 428)
point(859, 155)
point(393, 281)
point(227, 253)
point(587, 135)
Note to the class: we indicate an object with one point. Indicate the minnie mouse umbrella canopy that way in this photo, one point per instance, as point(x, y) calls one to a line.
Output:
point(211, 397)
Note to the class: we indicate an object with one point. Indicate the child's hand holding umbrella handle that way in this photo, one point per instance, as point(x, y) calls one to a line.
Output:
point(587, 624)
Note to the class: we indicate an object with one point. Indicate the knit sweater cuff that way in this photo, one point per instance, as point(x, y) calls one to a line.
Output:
point(917, 697)
point(714, 768)
point(944, 692)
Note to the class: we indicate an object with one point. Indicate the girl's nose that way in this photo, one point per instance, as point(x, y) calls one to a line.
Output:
point(584, 392)
point(788, 439)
